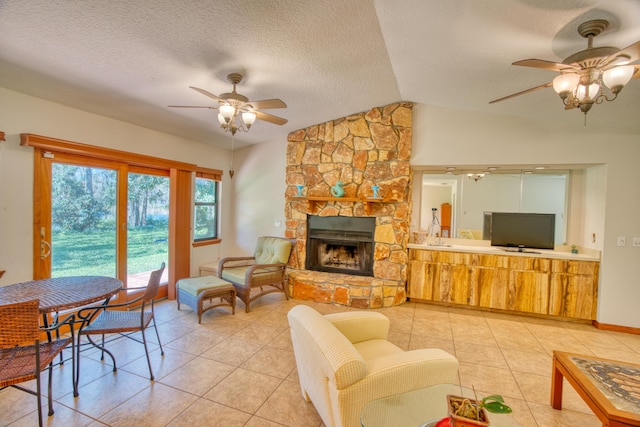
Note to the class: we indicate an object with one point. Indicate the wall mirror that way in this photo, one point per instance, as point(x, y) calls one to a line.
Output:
point(540, 192)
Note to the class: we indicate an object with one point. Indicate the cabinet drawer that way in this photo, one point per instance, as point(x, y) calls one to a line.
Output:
point(574, 267)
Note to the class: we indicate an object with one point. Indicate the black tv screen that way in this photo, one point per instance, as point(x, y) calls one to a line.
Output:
point(517, 229)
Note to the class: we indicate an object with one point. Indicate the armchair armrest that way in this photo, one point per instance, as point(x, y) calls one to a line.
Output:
point(236, 261)
point(410, 370)
point(360, 326)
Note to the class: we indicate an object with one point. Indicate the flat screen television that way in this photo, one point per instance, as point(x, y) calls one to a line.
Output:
point(523, 230)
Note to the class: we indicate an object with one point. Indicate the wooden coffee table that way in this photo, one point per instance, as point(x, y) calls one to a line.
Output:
point(611, 388)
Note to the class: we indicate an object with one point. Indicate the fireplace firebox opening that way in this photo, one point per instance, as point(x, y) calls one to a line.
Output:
point(338, 244)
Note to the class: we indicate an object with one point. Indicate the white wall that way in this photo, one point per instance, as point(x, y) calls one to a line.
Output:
point(20, 113)
point(443, 136)
point(259, 193)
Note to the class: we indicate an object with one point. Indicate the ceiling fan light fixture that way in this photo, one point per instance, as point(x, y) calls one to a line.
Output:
point(615, 78)
point(249, 118)
point(227, 112)
point(565, 84)
point(585, 93)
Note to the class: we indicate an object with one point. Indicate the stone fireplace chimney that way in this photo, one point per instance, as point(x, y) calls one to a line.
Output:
point(361, 150)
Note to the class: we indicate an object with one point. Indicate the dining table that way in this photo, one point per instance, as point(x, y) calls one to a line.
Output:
point(59, 294)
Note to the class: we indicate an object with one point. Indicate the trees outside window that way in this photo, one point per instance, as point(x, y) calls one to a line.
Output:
point(205, 209)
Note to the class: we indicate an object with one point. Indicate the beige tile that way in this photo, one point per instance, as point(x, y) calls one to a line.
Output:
point(228, 325)
point(244, 390)
point(525, 342)
point(197, 341)
point(526, 361)
point(489, 380)
point(243, 367)
point(546, 416)
point(232, 351)
point(156, 407)
point(271, 361)
point(161, 365)
point(261, 333)
point(282, 340)
point(616, 353)
point(286, 406)
point(488, 355)
point(421, 341)
point(432, 328)
point(198, 376)
point(205, 412)
point(106, 393)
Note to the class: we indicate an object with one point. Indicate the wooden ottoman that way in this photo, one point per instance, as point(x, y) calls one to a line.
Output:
point(199, 294)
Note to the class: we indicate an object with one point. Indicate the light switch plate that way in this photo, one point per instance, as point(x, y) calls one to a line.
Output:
point(636, 242)
point(622, 241)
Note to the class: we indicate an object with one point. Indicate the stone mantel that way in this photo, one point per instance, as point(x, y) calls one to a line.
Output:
point(361, 150)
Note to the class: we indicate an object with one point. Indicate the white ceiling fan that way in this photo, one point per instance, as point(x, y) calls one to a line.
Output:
point(584, 74)
point(236, 111)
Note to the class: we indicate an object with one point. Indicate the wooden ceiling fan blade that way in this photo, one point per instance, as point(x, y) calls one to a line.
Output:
point(267, 104)
point(533, 89)
point(191, 106)
point(545, 65)
point(205, 93)
point(270, 118)
point(627, 55)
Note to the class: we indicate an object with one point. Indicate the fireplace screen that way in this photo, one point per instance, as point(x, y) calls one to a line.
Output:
point(340, 245)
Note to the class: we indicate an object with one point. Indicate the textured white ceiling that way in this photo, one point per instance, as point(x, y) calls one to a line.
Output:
point(325, 58)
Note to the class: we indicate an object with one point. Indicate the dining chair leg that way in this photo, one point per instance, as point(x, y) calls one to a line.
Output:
point(158, 335)
point(146, 351)
point(38, 387)
point(50, 398)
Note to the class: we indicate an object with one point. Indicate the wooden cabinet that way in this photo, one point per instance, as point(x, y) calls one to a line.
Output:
point(566, 288)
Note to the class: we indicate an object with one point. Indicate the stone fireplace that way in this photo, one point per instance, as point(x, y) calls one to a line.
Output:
point(364, 265)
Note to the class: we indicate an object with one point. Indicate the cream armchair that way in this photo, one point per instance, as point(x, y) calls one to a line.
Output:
point(345, 361)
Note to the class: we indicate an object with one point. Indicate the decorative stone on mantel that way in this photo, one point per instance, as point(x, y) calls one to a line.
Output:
point(361, 150)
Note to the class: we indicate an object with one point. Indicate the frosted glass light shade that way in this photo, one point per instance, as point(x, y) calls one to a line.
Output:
point(615, 78)
point(564, 84)
point(248, 118)
point(227, 111)
point(587, 92)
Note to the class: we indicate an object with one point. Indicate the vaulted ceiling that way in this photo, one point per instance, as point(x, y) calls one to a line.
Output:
point(325, 58)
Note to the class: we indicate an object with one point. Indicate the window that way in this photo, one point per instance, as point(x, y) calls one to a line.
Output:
point(205, 222)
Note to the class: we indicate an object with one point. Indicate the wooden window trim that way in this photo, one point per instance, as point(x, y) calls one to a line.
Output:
point(215, 175)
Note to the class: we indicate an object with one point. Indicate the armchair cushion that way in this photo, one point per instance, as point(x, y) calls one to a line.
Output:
point(272, 250)
point(345, 361)
point(238, 275)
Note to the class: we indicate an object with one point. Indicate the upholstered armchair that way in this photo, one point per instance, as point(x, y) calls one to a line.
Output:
point(345, 361)
point(261, 274)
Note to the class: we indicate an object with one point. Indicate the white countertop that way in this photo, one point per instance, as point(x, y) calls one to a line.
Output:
point(492, 250)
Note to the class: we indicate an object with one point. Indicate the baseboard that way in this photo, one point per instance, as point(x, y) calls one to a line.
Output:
point(616, 328)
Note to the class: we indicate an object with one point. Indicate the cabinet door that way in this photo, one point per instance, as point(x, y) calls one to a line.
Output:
point(529, 291)
point(573, 295)
point(422, 278)
point(492, 286)
point(454, 285)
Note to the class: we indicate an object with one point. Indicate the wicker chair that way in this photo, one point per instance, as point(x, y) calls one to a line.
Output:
point(23, 356)
point(115, 319)
point(265, 270)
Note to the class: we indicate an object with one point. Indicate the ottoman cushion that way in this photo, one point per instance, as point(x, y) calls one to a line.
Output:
point(195, 285)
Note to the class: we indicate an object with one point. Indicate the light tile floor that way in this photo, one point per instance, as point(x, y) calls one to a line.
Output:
point(240, 370)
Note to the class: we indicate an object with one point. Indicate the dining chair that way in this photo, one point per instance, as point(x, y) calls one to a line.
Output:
point(22, 356)
point(117, 319)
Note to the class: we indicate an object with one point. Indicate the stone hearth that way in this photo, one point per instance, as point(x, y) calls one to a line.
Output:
point(361, 150)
